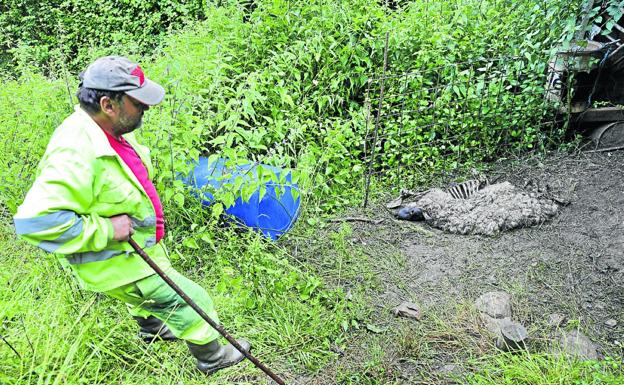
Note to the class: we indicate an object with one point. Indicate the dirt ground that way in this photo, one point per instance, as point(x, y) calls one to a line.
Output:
point(572, 265)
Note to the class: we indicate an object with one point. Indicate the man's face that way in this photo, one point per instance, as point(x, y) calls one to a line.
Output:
point(130, 116)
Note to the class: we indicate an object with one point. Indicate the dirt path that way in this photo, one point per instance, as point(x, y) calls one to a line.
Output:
point(572, 265)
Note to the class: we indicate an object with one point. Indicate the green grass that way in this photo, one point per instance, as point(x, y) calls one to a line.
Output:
point(64, 335)
point(544, 369)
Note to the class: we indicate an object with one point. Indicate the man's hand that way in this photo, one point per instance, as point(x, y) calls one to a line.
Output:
point(122, 225)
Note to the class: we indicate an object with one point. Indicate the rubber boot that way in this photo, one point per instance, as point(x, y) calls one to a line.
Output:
point(152, 329)
point(214, 356)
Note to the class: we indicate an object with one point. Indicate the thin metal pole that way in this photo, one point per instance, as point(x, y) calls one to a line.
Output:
point(379, 107)
point(203, 314)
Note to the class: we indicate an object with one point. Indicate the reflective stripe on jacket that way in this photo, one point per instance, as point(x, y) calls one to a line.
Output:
point(80, 183)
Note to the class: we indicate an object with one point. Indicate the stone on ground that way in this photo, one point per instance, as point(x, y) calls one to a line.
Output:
point(409, 310)
point(493, 325)
point(555, 320)
point(576, 344)
point(513, 336)
point(496, 304)
point(450, 371)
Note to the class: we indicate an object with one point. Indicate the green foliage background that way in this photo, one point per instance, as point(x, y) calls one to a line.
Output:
point(285, 82)
point(66, 32)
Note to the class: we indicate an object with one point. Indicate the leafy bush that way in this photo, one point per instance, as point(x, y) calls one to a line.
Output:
point(53, 32)
point(288, 87)
point(30, 109)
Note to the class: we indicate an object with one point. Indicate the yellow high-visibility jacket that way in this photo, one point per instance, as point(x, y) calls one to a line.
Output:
point(80, 183)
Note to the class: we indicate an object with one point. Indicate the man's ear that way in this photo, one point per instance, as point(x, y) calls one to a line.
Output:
point(107, 105)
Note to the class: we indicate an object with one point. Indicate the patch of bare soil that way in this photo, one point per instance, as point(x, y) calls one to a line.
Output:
point(572, 264)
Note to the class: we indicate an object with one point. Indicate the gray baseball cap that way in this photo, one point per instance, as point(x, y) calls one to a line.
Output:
point(117, 73)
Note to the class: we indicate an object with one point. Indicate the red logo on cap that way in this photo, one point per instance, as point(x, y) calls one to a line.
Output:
point(139, 72)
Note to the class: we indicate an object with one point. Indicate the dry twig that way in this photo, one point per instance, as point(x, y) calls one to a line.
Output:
point(357, 219)
point(616, 148)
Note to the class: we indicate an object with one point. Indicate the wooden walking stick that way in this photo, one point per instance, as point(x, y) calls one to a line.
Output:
point(203, 314)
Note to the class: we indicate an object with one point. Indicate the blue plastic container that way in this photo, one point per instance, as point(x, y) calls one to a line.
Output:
point(272, 215)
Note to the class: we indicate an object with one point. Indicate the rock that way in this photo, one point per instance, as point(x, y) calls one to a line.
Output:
point(408, 309)
point(611, 323)
point(495, 308)
point(513, 336)
point(496, 304)
point(555, 320)
point(576, 344)
point(450, 371)
point(493, 325)
point(448, 368)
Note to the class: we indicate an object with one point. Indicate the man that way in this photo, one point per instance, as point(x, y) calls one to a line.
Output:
point(93, 191)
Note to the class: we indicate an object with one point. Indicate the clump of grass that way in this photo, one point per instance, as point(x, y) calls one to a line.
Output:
point(544, 369)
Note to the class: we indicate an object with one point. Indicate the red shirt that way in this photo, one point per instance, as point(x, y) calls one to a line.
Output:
point(132, 160)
